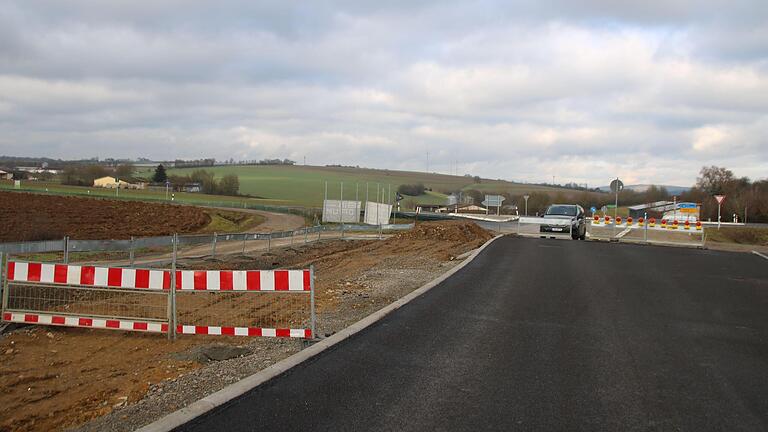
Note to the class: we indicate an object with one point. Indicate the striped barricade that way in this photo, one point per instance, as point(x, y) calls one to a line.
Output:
point(139, 299)
point(216, 302)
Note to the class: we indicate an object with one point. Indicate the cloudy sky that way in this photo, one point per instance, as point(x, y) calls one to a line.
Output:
point(649, 91)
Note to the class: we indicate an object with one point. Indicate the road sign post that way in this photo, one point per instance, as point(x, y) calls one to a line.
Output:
point(493, 201)
point(720, 199)
point(525, 197)
point(616, 186)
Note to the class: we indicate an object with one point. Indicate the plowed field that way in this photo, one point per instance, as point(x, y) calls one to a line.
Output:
point(27, 217)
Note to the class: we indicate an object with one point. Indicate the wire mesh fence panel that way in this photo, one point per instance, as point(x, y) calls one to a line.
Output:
point(243, 313)
point(245, 303)
point(82, 301)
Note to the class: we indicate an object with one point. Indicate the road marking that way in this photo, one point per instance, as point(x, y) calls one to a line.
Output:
point(760, 255)
point(623, 233)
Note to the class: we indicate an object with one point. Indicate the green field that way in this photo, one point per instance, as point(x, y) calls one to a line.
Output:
point(305, 185)
point(143, 195)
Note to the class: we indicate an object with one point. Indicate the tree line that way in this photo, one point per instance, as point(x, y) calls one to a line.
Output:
point(84, 175)
point(229, 184)
point(746, 198)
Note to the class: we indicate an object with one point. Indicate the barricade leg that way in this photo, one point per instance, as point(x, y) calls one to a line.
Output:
point(4, 257)
point(172, 294)
point(313, 318)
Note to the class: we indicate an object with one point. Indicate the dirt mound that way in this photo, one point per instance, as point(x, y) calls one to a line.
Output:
point(28, 217)
point(452, 231)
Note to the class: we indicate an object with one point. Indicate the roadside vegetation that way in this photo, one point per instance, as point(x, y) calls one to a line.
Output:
point(739, 235)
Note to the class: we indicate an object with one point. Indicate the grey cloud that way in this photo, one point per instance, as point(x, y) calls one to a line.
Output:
point(524, 90)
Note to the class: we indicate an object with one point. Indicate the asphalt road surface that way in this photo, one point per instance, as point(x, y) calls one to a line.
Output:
point(548, 335)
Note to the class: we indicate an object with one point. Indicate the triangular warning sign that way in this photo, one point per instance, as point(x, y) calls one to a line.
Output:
point(720, 198)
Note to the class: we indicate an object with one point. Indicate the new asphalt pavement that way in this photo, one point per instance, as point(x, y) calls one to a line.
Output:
point(540, 334)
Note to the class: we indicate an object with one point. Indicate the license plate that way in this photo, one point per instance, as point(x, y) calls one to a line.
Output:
point(557, 229)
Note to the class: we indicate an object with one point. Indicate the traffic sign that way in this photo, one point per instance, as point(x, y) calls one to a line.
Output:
point(720, 198)
point(593, 209)
point(617, 186)
point(493, 200)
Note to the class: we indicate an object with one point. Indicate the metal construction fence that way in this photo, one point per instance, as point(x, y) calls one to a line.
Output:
point(130, 246)
point(271, 303)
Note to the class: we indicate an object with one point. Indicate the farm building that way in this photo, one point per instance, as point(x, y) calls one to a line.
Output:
point(5, 175)
point(110, 182)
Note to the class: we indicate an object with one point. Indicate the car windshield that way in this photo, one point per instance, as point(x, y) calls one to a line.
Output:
point(562, 210)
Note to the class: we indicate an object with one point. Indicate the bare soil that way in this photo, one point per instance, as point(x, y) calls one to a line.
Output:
point(58, 378)
point(28, 217)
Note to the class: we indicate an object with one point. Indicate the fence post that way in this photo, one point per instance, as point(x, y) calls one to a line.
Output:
point(172, 294)
point(3, 266)
point(269, 241)
point(4, 284)
point(313, 318)
point(380, 231)
point(213, 246)
point(319, 232)
point(131, 253)
point(245, 237)
point(66, 249)
point(292, 233)
point(306, 233)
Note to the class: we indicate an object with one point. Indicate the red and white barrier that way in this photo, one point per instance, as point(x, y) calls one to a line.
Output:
point(244, 331)
point(117, 277)
point(250, 280)
point(651, 224)
point(186, 280)
point(104, 277)
point(89, 322)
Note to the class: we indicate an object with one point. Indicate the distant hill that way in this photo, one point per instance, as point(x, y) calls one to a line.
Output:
point(675, 190)
point(305, 185)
